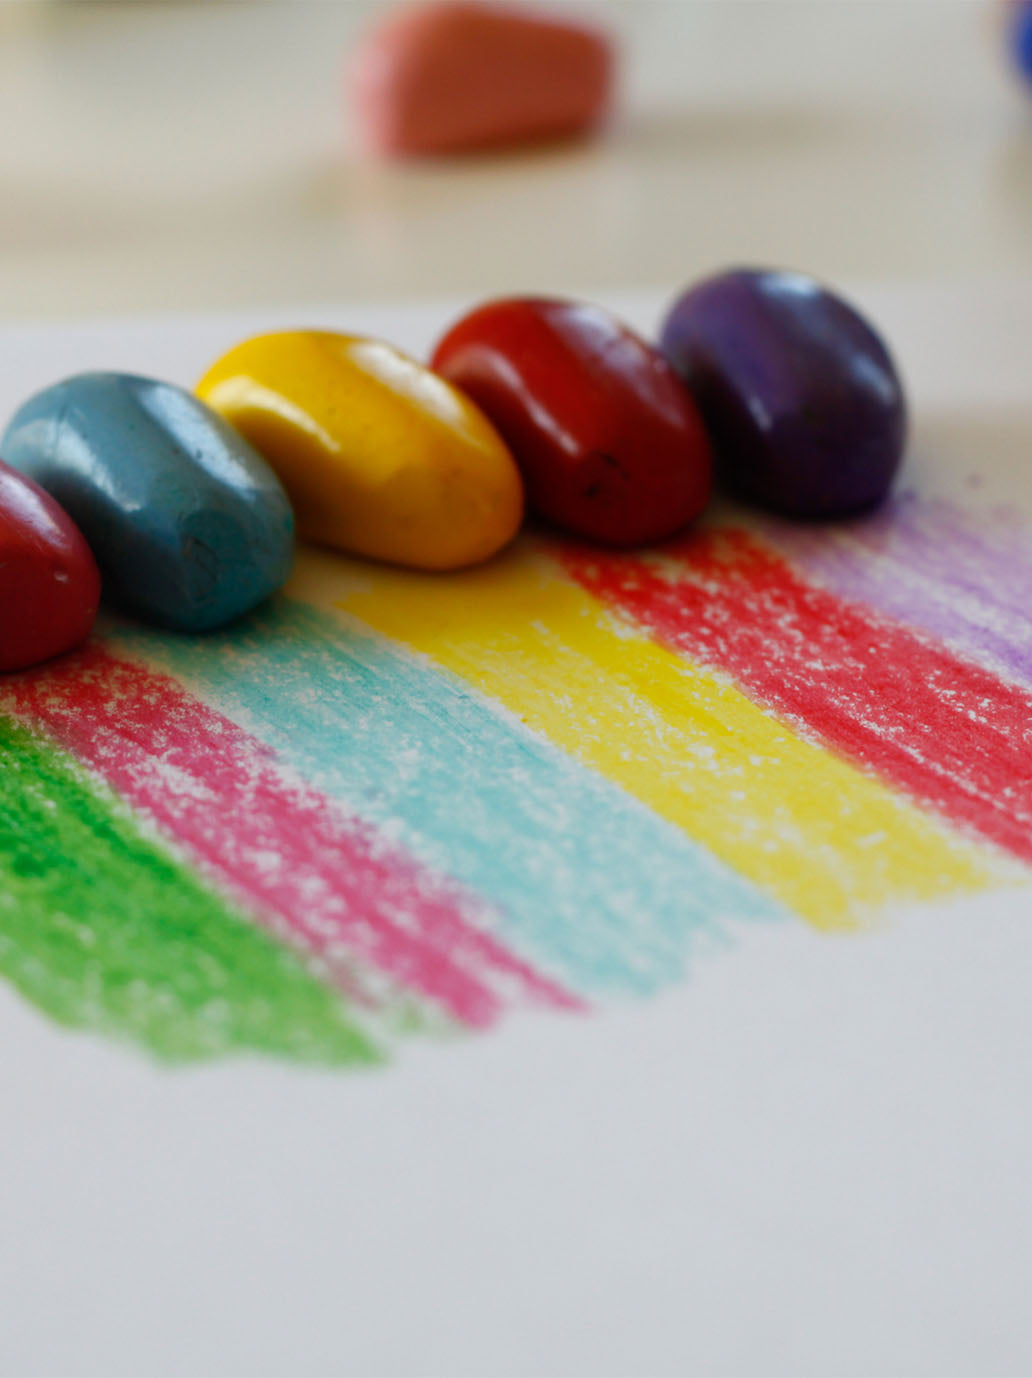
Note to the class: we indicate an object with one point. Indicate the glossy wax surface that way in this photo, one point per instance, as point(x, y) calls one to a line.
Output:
point(188, 523)
point(380, 457)
point(610, 444)
point(452, 77)
point(49, 581)
point(799, 394)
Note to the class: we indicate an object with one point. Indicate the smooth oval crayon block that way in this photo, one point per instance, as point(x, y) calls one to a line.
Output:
point(610, 444)
point(49, 581)
point(189, 525)
point(800, 395)
point(457, 77)
point(380, 456)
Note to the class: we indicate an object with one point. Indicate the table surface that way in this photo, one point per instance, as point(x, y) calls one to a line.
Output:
point(184, 156)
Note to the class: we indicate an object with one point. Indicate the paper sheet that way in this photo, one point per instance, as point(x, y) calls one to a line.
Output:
point(659, 999)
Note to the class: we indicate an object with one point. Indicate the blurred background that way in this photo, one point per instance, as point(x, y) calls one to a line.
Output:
point(199, 155)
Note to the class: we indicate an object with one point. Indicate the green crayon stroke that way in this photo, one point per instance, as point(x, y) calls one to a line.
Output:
point(104, 930)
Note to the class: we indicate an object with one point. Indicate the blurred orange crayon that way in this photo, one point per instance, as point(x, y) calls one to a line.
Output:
point(461, 76)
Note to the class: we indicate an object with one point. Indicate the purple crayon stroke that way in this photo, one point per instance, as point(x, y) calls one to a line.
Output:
point(964, 578)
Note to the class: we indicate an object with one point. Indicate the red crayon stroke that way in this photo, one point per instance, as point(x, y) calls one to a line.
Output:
point(317, 876)
point(945, 731)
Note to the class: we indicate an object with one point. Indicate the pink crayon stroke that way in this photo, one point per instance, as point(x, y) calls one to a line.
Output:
point(307, 870)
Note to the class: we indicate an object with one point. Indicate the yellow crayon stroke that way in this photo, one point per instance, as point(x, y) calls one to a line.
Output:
point(830, 842)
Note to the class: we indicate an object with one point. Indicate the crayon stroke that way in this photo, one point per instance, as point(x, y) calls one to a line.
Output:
point(964, 578)
point(105, 930)
point(285, 852)
point(944, 731)
point(588, 884)
point(400, 802)
point(822, 838)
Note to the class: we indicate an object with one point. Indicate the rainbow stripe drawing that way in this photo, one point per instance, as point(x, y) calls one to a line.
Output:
point(391, 805)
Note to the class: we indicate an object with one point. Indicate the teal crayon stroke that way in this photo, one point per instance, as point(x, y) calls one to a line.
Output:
point(590, 884)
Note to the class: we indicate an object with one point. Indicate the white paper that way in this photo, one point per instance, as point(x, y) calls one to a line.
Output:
point(812, 1158)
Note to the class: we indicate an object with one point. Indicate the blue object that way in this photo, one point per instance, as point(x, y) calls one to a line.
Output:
point(1021, 39)
point(189, 525)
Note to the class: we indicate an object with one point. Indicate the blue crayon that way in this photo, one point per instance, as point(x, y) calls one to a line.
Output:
point(188, 523)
